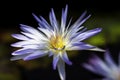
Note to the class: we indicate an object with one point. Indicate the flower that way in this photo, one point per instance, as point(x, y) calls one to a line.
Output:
point(107, 68)
point(53, 39)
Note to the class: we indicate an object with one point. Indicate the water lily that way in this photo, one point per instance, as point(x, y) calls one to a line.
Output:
point(108, 68)
point(53, 39)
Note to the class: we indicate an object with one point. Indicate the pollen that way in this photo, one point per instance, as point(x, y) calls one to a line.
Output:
point(57, 42)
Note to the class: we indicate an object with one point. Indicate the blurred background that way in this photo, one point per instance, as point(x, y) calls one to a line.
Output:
point(105, 14)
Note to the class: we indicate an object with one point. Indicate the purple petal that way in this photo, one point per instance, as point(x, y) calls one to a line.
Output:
point(109, 60)
point(23, 51)
point(17, 57)
point(64, 18)
point(31, 30)
point(38, 20)
point(53, 20)
point(66, 30)
point(99, 70)
point(61, 69)
point(51, 53)
point(78, 23)
point(45, 23)
point(74, 35)
point(42, 22)
point(99, 66)
point(89, 67)
point(88, 34)
point(66, 59)
point(35, 55)
point(28, 29)
point(82, 15)
point(81, 46)
point(55, 61)
point(20, 43)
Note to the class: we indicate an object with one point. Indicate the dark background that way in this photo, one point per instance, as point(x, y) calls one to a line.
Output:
point(105, 14)
point(15, 12)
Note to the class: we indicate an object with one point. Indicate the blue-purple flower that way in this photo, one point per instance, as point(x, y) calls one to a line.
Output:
point(53, 39)
point(108, 68)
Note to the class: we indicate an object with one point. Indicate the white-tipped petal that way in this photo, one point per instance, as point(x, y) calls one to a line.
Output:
point(20, 37)
point(29, 29)
point(22, 43)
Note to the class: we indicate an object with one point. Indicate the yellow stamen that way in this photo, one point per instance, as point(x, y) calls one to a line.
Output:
point(57, 42)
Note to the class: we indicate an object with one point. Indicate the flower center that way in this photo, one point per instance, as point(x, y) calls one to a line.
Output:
point(57, 43)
